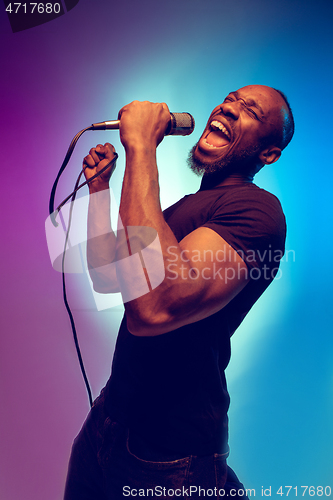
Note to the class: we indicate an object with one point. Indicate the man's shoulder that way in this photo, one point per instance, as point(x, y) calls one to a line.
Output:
point(246, 198)
point(245, 209)
point(248, 216)
point(250, 191)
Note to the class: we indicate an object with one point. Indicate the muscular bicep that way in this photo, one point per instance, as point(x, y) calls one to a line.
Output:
point(203, 273)
point(218, 269)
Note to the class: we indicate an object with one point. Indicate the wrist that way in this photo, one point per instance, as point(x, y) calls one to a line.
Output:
point(96, 187)
point(140, 152)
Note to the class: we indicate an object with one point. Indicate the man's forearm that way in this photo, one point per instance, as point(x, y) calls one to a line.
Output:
point(101, 243)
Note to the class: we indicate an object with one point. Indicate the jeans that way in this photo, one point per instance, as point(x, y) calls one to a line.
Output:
point(107, 463)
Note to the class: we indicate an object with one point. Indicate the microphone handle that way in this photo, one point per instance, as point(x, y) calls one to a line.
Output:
point(108, 125)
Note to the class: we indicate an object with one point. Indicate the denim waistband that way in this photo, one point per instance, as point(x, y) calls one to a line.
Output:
point(152, 452)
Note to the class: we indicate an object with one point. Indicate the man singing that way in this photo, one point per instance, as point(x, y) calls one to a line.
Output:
point(160, 427)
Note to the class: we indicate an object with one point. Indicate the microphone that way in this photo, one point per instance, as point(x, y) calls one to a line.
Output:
point(179, 124)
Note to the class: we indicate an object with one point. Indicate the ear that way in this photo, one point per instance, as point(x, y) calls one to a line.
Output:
point(270, 155)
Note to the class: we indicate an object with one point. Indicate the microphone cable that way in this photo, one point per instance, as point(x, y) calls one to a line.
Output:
point(64, 295)
point(53, 215)
point(62, 168)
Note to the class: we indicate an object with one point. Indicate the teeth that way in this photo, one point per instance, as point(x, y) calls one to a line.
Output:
point(218, 125)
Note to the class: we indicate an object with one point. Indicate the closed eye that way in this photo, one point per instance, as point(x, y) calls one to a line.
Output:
point(246, 106)
point(249, 109)
point(252, 112)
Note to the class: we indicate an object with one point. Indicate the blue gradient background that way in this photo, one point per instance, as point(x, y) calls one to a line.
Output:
point(83, 67)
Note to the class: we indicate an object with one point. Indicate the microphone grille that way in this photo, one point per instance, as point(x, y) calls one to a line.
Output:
point(181, 124)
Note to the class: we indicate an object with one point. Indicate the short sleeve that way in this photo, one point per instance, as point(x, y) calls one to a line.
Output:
point(252, 222)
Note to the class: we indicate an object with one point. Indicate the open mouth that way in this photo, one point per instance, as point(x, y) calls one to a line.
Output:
point(218, 136)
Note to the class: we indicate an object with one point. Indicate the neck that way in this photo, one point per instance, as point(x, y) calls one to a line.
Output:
point(212, 180)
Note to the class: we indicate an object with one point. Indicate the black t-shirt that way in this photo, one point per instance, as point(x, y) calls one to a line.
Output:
point(171, 389)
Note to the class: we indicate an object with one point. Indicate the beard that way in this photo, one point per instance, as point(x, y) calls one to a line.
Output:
point(245, 162)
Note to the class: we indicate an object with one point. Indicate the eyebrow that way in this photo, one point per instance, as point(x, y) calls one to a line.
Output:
point(250, 102)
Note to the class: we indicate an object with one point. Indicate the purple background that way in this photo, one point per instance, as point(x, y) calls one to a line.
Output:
point(60, 77)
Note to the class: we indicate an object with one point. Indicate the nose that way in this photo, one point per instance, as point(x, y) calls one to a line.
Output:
point(231, 109)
